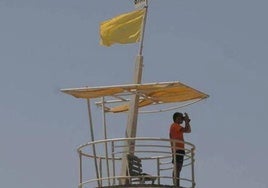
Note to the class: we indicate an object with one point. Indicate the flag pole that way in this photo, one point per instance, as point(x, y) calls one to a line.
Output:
point(133, 106)
point(143, 27)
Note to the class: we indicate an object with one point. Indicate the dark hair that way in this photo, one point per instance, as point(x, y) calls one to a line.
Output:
point(177, 114)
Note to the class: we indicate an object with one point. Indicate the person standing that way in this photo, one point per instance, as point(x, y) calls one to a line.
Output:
point(176, 132)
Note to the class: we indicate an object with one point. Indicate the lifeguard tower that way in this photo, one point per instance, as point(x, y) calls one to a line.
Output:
point(133, 161)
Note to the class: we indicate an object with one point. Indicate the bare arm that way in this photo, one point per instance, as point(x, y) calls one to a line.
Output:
point(187, 128)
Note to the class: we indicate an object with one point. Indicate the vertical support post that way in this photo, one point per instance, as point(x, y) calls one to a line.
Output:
point(105, 137)
point(158, 170)
point(92, 139)
point(132, 120)
point(80, 170)
point(175, 173)
point(192, 161)
point(133, 108)
point(100, 165)
point(113, 160)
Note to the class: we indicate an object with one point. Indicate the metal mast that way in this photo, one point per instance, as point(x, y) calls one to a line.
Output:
point(133, 106)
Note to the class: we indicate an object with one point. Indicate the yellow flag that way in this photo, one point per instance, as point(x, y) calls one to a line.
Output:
point(122, 29)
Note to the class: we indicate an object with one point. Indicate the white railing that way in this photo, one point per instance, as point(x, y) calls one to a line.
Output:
point(101, 161)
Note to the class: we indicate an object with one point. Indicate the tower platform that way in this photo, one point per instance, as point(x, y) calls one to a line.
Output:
point(153, 169)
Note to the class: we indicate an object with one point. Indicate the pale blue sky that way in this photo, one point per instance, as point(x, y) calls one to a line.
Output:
point(218, 47)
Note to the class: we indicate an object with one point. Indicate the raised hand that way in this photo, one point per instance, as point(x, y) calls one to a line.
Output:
point(186, 118)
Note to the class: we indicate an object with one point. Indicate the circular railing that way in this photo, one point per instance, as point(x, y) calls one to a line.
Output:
point(101, 162)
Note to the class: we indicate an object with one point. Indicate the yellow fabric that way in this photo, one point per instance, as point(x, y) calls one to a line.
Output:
point(123, 29)
point(151, 93)
point(176, 93)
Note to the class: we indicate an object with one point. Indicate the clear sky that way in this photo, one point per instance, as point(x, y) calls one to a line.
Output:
point(218, 47)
